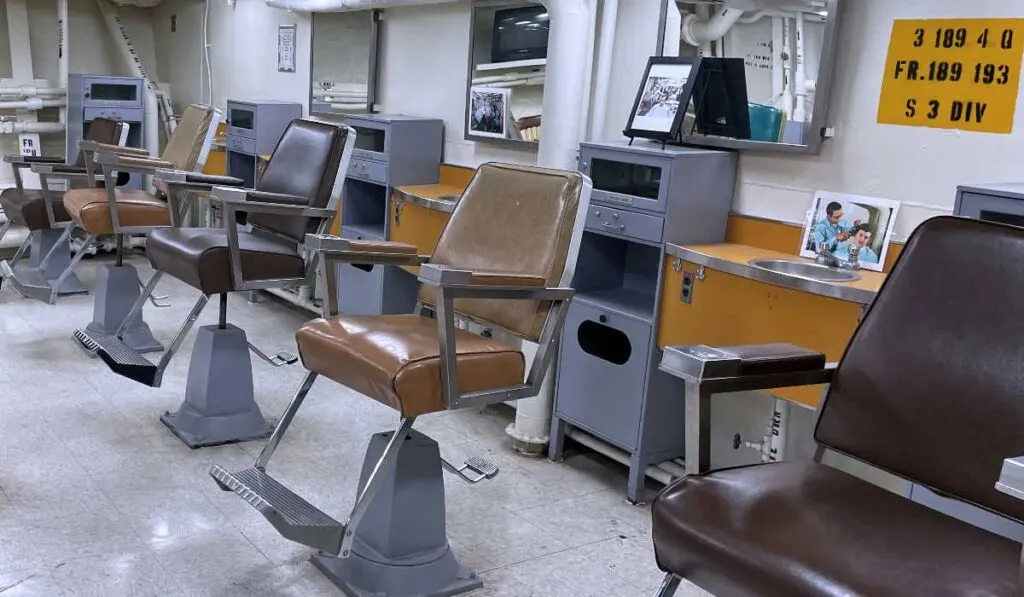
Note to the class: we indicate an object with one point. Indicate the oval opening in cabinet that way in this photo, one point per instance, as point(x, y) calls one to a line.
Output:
point(603, 342)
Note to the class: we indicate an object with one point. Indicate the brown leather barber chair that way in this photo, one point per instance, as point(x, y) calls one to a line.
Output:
point(123, 212)
point(42, 211)
point(930, 389)
point(298, 193)
point(505, 260)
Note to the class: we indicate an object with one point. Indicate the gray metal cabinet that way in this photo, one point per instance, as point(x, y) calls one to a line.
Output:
point(1001, 202)
point(390, 151)
point(608, 383)
point(254, 128)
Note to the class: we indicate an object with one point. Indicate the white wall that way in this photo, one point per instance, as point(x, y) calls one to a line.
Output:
point(243, 51)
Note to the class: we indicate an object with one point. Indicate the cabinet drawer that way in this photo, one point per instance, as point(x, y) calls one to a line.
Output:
point(628, 224)
point(367, 170)
point(241, 145)
point(602, 369)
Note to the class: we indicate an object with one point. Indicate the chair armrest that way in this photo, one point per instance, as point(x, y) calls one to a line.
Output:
point(457, 283)
point(23, 161)
point(57, 169)
point(131, 163)
point(94, 146)
point(1011, 477)
point(748, 367)
point(334, 248)
point(252, 201)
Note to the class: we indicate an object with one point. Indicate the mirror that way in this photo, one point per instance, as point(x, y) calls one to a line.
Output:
point(768, 81)
point(507, 60)
point(343, 70)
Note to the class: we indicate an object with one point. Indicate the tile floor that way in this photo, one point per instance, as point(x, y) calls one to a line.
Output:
point(98, 498)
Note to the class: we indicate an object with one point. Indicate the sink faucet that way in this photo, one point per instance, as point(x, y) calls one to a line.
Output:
point(826, 257)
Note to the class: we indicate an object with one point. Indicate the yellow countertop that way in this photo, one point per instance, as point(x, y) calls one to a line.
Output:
point(734, 259)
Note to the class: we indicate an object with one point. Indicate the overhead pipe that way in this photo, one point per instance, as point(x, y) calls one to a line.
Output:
point(32, 103)
point(588, 72)
point(344, 5)
point(673, 29)
point(603, 77)
point(17, 127)
point(21, 91)
point(696, 31)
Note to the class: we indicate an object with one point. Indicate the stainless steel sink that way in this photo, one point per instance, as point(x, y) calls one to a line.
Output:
point(805, 269)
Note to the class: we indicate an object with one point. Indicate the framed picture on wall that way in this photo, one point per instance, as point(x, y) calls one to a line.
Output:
point(662, 99)
point(489, 111)
point(844, 223)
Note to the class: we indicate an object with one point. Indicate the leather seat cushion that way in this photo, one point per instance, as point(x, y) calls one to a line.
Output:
point(27, 207)
point(90, 209)
point(200, 257)
point(396, 360)
point(806, 529)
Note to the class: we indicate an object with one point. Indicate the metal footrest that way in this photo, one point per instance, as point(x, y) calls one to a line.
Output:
point(484, 469)
point(280, 359)
point(121, 358)
point(296, 519)
point(29, 282)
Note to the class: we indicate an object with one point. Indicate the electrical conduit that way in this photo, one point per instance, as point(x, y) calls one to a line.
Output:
point(696, 32)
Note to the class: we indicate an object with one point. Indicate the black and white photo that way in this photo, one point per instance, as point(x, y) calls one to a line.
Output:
point(662, 99)
point(488, 114)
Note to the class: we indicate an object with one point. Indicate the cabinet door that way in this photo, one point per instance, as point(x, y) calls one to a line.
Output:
point(628, 180)
point(602, 373)
point(359, 291)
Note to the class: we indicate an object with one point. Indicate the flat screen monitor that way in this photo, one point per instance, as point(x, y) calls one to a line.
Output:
point(520, 34)
point(720, 98)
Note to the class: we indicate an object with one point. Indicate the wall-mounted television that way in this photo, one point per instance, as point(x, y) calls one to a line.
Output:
point(520, 34)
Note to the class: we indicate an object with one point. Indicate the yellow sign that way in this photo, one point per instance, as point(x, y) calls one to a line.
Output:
point(953, 74)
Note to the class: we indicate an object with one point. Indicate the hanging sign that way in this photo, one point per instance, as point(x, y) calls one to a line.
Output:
point(953, 74)
point(286, 48)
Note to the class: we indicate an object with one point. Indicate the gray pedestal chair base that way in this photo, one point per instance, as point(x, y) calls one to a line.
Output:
point(400, 548)
point(220, 405)
point(117, 289)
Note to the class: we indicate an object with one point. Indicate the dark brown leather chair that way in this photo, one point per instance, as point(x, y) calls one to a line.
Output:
point(42, 210)
point(505, 260)
point(297, 194)
point(930, 389)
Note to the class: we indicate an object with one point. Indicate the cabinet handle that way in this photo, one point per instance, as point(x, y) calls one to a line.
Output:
point(602, 318)
point(613, 226)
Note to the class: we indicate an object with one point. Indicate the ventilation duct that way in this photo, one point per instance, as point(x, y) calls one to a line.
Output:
point(343, 5)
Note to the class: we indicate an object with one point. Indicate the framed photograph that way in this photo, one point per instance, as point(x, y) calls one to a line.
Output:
point(488, 111)
point(662, 99)
point(286, 48)
point(840, 222)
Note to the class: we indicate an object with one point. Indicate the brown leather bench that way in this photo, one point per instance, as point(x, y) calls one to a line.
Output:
point(929, 389)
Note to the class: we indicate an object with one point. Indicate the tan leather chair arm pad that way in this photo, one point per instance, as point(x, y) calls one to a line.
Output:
point(371, 246)
point(503, 279)
point(143, 162)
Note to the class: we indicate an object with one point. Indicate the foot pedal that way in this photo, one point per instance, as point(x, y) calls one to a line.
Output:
point(29, 282)
point(121, 358)
point(87, 344)
point(278, 360)
point(484, 469)
point(296, 519)
point(160, 301)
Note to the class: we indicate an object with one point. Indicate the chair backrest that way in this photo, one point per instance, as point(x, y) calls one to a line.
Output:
point(310, 161)
point(514, 219)
point(931, 386)
point(191, 140)
point(102, 130)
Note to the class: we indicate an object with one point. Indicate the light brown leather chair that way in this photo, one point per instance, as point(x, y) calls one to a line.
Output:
point(123, 212)
point(42, 210)
point(297, 193)
point(929, 389)
point(505, 259)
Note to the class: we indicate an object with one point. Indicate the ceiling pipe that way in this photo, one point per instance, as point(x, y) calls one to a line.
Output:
point(673, 29)
point(696, 32)
point(344, 5)
point(603, 77)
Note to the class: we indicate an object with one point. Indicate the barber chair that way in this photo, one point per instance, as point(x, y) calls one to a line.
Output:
point(929, 389)
point(121, 212)
point(298, 193)
point(42, 212)
point(505, 260)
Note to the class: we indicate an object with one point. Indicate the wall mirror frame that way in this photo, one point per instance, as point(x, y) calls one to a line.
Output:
point(809, 136)
point(514, 87)
point(343, 80)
